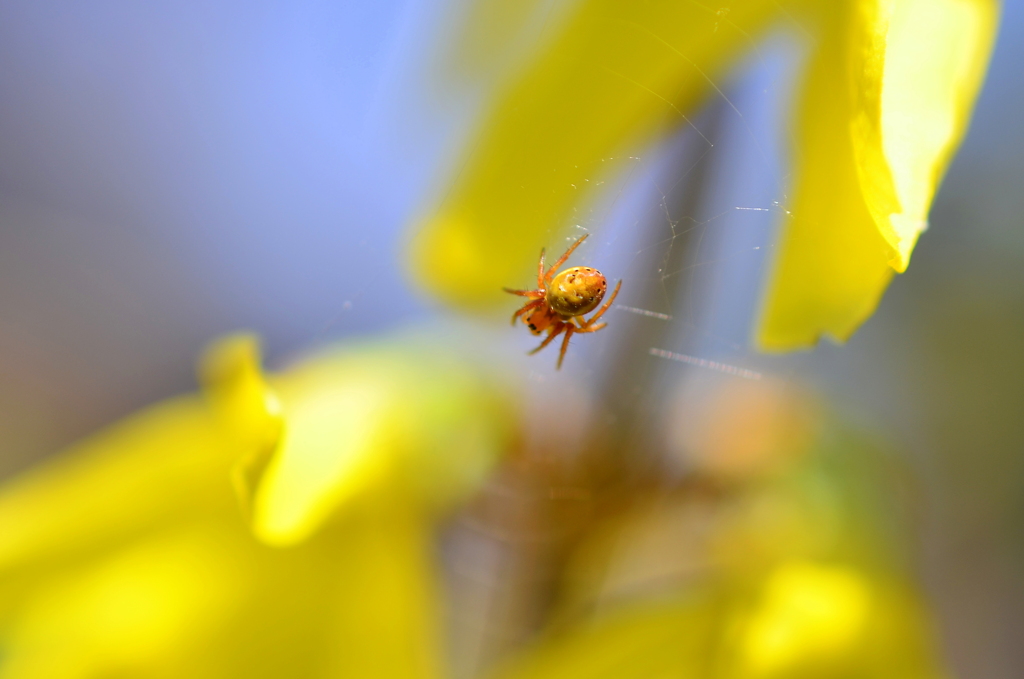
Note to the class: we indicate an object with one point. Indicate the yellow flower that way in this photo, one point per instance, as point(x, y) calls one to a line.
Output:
point(420, 429)
point(886, 100)
point(807, 620)
point(128, 556)
point(793, 575)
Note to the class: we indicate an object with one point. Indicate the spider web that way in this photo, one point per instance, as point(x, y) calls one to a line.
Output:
point(217, 174)
point(689, 225)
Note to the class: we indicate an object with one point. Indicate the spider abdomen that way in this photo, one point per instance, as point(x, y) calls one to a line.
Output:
point(576, 291)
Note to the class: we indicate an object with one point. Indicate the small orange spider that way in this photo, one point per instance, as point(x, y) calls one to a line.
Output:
point(560, 300)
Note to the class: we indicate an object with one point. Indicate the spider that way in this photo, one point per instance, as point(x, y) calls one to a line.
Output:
point(560, 300)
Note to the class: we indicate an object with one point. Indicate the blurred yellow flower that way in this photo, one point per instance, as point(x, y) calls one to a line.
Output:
point(419, 428)
point(815, 620)
point(808, 612)
point(887, 98)
point(810, 620)
point(791, 576)
point(128, 556)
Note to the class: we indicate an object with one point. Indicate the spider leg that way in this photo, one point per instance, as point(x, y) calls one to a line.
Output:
point(540, 270)
point(569, 328)
point(604, 307)
point(526, 307)
point(532, 294)
point(561, 260)
point(592, 328)
point(555, 331)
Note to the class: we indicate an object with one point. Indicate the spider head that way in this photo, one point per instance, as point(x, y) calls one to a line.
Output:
point(576, 291)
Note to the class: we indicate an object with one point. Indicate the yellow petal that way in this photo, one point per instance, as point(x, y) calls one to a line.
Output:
point(122, 481)
point(422, 427)
point(132, 610)
point(936, 53)
point(809, 611)
point(126, 556)
point(611, 74)
point(887, 100)
point(807, 620)
point(817, 620)
point(196, 596)
point(247, 407)
point(386, 613)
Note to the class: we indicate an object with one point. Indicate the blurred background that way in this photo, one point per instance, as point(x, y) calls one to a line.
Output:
point(170, 173)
